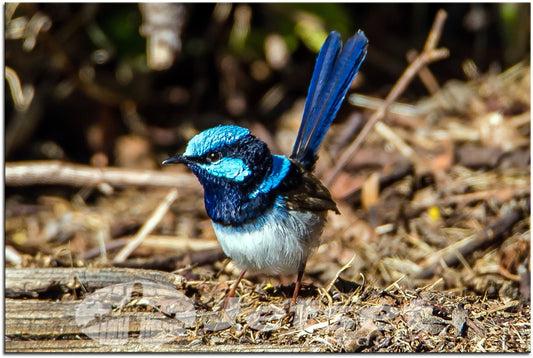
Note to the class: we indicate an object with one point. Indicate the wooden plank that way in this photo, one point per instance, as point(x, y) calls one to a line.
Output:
point(28, 282)
point(71, 346)
point(39, 319)
point(50, 326)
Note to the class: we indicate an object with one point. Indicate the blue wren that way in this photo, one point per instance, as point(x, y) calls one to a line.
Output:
point(268, 211)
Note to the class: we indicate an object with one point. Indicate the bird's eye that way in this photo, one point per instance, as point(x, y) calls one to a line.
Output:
point(213, 157)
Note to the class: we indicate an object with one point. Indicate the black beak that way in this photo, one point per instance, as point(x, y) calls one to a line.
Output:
point(176, 160)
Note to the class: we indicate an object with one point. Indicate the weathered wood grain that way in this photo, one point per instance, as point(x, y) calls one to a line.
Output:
point(93, 346)
point(28, 282)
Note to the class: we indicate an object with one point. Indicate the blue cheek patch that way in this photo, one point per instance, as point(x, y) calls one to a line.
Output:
point(280, 168)
point(230, 168)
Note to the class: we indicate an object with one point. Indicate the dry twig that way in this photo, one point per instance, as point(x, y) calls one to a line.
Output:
point(148, 226)
point(428, 55)
point(178, 244)
point(427, 78)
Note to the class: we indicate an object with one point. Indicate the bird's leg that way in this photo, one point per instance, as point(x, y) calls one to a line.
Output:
point(297, 286)
point(233, 288)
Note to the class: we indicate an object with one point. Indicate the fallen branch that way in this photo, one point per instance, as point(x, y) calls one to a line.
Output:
point(501, 194)
point(428, 55)
point(55, 172)
point(451, 255)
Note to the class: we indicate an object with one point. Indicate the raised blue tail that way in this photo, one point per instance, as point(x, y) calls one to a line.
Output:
point(334, 72)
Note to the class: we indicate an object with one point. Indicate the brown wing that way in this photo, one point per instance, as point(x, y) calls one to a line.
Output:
point(310, 195)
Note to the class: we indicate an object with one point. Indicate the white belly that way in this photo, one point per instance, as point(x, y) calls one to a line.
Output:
point(278, 245)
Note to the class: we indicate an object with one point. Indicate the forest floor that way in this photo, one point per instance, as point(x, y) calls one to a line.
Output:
point(430, 252)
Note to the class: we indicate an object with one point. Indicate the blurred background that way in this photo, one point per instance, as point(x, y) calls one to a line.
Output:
point(81, 76)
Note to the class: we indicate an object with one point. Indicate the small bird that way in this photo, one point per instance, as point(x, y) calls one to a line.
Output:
point(268, 211)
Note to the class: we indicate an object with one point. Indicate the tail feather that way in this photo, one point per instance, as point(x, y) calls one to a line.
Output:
point(335, 70)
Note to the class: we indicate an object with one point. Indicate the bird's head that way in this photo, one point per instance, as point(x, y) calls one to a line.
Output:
point(226, 156)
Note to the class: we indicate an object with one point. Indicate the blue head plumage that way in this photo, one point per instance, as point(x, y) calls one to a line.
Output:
point(214, 138)
point(231, 164)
